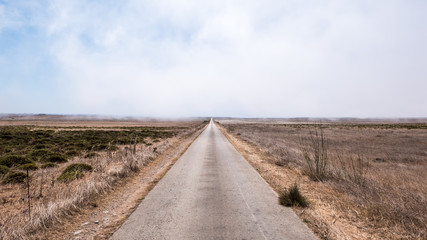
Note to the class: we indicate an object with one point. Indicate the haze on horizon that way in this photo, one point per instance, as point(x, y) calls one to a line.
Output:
point(220, 58)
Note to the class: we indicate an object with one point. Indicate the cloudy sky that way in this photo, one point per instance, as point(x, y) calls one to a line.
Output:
point(244, 58)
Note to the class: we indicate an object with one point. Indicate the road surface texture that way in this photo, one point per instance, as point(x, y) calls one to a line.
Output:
point(212, 193)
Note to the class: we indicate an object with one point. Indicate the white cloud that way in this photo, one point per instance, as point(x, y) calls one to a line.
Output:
point(240, 58)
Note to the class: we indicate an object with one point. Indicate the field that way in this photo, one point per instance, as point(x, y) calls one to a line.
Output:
point(363, 180)
point(71, 163)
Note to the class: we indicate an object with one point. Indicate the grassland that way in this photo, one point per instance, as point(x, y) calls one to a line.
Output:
point(374, 180)
point(72, 164)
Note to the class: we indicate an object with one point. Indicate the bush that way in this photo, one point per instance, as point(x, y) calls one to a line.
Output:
point(74, 171)
point(56, 159)
point(14, 160)
point(91, 155)
point(41, 153)
point(113, 148)
point(292, 197)
point(15, 177)
point(100, 147)
point(49, 165)
point(72, 153)
point(41, 146)
point(316, 156)
point(30, 166)
point(3, 170)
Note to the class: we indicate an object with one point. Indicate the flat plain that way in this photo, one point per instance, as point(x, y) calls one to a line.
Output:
point(363, 179)
point(369, 181)
point(74, 164)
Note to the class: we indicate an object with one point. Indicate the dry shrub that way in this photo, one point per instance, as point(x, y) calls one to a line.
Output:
point(353, 169)
point(316, 155)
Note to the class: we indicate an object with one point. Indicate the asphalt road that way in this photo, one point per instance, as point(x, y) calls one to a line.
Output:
point(212, 193)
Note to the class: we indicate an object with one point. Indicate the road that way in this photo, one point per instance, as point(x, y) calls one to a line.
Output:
point(212, 193)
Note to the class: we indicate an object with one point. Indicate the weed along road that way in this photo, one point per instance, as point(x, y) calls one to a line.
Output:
point(212, 193)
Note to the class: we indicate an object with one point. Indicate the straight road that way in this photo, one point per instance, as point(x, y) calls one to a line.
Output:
point(212, 193)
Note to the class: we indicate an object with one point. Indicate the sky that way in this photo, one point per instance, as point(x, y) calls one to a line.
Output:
point(236, 58)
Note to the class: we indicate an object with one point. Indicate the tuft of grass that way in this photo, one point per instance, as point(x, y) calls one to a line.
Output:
point(3, 170)
point(292, 197)
point(49, 165)
point(15, 177)
point(29, 166)
point(74, 171)
point(14, 160)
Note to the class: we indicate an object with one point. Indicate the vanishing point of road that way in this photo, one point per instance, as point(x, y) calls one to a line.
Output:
point(212, 193)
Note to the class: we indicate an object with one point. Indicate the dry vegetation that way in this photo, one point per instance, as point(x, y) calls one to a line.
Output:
point(361, 180)
point(93, 161)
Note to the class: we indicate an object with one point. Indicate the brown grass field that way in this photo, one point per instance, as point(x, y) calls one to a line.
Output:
point(48, 203)
point(373, 185)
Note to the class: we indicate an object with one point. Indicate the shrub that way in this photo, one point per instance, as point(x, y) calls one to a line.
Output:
point(316, 156)
point(112, 148)
point(41, 154)
point(91, 155)
point(353, 170)
point(30, 166)
point(40, 146)
point(74, 171)
point(72, 153)
point(280, 163)
point(56, 159)
point(292, 197)
point(3, 170)
point(100, 147)
point(14, 160)
point(15, 177)
point(49, 165)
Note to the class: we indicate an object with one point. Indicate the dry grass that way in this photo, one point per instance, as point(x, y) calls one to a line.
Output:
point(374, 178)
point(52, 200)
